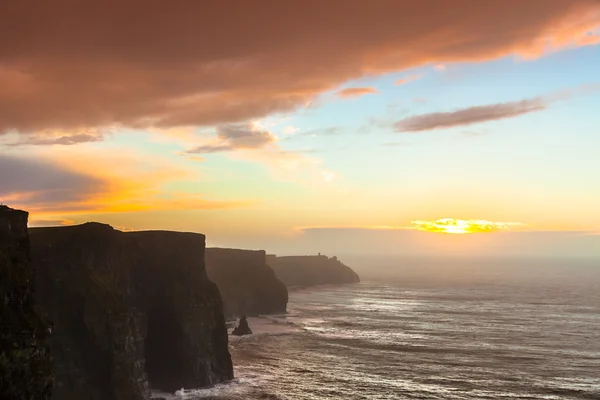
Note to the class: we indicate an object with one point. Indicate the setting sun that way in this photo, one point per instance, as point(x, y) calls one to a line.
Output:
point(453, 225)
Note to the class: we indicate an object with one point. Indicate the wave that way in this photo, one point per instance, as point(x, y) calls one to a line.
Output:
point(384, 342)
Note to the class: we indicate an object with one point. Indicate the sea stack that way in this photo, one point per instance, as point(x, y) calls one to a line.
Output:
point(25, 366)
point(242, 327)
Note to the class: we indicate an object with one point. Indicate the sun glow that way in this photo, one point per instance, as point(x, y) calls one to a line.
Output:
point(461, 226)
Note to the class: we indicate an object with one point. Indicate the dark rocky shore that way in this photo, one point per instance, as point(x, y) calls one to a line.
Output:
point(114, 314)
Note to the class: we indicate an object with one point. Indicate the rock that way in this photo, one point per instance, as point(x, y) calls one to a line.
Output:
point(131, 310)
point(248, 286)
point(25, 365)
point(305, 271)
point(242, 327)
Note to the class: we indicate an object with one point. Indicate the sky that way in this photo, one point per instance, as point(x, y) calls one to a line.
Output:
point(404, 127)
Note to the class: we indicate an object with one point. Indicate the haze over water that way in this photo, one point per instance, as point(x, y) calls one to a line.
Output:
point(430, 329)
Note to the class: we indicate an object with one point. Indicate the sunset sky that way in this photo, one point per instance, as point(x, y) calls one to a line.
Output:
point(308, 125)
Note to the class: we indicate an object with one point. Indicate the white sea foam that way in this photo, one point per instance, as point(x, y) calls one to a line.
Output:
point(231, 389)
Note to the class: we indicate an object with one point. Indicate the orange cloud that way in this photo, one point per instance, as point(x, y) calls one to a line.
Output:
point(27, 182)
point(68, 65)
point(135, 201)
point(33, 222)
point(409, 79)
point(355, 92)
point(82, 181)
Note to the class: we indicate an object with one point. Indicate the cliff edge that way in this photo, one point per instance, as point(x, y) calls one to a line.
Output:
point(247, 284)
point(131, 310)
point(25, 367)
point(304, 271)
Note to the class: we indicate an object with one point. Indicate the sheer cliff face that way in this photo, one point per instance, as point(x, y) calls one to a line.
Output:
point(186, 344)
point(247, 284)
point(129, 308)
point(25, 368)
point(303, 271)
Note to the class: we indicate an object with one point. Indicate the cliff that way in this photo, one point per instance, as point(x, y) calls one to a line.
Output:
point(131, 310)
point(25, 367)
point(247, 284)
point(303, 271)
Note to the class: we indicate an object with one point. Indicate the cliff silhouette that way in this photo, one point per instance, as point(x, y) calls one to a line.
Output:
point(248, 286)
point(130, 310)
point(304, 271)
point(25, 366)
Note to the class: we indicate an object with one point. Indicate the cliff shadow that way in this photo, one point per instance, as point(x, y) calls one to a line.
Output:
point(163, 347)
point(129, 308)
point(247, 284)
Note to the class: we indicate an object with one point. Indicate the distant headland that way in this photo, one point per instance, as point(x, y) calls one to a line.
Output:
point(305, 271)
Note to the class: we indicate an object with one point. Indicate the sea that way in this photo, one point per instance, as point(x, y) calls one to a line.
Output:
point(437, 329)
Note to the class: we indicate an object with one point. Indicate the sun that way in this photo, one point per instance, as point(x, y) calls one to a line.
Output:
point(462, 226)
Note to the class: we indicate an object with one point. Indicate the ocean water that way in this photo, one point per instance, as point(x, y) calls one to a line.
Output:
point(487, 332)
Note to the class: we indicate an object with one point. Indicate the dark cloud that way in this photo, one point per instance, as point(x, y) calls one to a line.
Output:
point(140, 63)
point(233, 137)
point(27, 182)
point(471, 115)
point(243, 136)
point(62, 140)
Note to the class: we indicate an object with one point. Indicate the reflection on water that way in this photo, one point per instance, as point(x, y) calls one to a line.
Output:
point(420, 338)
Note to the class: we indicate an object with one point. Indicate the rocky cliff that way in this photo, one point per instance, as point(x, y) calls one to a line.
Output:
point(303, 271)
point(247, 284)
point(25, 368)
point(130, 310)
